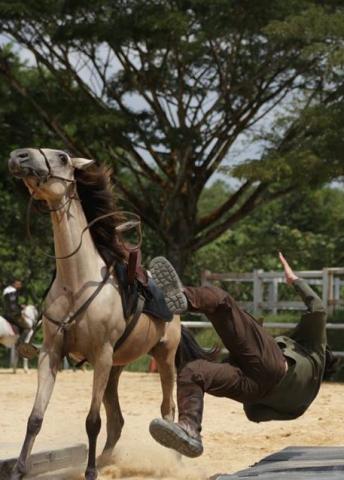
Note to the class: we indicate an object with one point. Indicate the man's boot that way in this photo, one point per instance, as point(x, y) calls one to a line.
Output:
point(166, 278)
point(184, 436)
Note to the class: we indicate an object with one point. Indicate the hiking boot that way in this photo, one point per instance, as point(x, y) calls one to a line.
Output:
point(166, 278)
point(176, 436)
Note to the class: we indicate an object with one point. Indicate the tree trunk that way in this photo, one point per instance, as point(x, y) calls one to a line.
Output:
point(180, 224)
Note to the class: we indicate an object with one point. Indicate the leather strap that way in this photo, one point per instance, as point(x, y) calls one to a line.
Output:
point(64, 324)
point(131, 322)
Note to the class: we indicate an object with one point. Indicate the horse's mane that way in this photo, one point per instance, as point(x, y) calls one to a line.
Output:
point(94, 188)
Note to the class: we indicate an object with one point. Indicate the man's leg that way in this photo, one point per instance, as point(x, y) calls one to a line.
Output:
point(251, 347)
point(259, 363)
point(193, 380)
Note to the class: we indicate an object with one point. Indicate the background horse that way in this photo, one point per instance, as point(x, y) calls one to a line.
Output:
point(77, 193)
point(9, 336)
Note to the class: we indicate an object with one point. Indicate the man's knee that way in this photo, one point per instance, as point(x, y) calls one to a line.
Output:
point(192, 373)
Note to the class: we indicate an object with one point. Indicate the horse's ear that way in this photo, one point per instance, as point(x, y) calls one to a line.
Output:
point(81, 163)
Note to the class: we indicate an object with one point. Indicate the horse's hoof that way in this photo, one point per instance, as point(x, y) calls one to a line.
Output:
point(91, 474)
point(17, 474)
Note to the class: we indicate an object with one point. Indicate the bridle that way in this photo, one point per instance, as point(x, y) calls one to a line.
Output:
point(28, 349)
point(134, 222)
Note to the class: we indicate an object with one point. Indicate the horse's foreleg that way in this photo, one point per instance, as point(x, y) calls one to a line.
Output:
point(102, 368)
point(115, 420)
point(47, 369)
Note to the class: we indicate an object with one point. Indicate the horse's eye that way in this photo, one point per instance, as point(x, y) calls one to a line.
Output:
point(63, 158)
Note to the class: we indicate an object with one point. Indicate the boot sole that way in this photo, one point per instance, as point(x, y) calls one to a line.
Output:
point(166, 278)
point(171, 436)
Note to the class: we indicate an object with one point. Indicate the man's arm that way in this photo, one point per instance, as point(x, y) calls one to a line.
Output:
point(308, 295)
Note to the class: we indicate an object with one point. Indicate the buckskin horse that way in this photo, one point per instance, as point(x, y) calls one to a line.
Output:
point(83, 314)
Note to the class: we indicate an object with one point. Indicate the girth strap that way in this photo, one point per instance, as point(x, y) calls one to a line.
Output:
point(131, 322)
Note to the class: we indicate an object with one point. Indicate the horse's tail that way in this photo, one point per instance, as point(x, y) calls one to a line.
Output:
point(189, 350)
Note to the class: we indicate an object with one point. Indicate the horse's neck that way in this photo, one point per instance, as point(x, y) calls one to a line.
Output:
point(69, 224)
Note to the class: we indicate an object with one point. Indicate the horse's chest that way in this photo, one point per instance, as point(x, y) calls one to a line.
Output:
point(82, 334)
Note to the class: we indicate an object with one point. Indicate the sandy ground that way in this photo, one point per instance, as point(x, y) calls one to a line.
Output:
point(231, 442)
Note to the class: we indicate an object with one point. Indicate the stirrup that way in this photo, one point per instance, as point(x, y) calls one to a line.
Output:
point(27, 350)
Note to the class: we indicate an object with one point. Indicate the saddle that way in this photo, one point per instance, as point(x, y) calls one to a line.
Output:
point(135, 285)
point(139, 295)
point(138, 291)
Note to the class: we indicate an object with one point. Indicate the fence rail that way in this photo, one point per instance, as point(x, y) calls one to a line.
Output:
point(265, 288)
point(270, 325)
point(265, 294)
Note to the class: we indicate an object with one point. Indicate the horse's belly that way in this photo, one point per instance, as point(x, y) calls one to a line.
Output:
point(142, 339)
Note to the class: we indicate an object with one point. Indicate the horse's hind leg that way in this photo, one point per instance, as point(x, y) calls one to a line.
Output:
point(48, 366)
point(114, 415)
point(164, 353)
point(102, 368)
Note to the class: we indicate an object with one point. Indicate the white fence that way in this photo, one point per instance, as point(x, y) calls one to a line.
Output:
point(265, 291)
point(265, 288)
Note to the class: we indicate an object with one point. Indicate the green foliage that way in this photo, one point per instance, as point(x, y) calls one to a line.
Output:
point(139, 365)
point(163, 90)
point(306, 225)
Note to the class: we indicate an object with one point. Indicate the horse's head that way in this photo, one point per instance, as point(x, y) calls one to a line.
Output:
point(46, 172)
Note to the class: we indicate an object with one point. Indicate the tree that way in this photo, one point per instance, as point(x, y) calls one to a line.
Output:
point(20, 257)
point(305, 225)
point(165, 89)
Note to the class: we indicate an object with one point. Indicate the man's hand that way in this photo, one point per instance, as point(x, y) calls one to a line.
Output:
point(290, 276)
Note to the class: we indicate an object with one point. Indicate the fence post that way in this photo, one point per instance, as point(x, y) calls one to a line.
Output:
point(273, 295)
point(330, 294)
point(257, 292)
point(325, 285)
point(204, 278)
point(337, 285)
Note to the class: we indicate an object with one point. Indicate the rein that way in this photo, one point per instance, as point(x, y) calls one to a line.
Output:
point(120, 229)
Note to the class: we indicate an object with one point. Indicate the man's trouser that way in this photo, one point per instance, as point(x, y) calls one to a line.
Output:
point(256, 362)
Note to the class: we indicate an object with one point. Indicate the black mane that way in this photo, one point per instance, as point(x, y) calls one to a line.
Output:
point(97, 198)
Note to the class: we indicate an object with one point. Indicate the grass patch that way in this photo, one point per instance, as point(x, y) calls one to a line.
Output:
point(140, 365)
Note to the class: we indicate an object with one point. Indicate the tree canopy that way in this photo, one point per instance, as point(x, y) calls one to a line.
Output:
point(164, 91)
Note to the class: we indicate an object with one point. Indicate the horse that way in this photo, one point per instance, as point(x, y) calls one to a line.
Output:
point(9, 336)
point(77, 192)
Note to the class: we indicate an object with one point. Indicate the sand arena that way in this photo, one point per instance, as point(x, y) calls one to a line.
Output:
point(231, 442)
